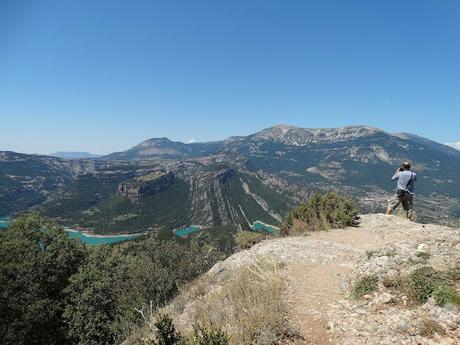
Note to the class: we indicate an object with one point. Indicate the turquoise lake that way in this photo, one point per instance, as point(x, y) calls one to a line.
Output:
point(88, 239)
point(259, 226)
point(187, 231)
point(4, 223)
point(92, 240)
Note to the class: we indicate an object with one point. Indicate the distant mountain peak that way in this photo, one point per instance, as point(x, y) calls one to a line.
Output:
point(292, 135)
point(156, 141)
point(284, 127)
point(153, 147)
point(455, 145)
point(273, 132)
point(73, 155)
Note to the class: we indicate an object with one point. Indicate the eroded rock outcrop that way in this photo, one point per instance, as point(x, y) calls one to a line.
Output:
point(142, 186)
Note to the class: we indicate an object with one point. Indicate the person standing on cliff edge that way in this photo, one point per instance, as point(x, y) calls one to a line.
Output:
point(404, 190)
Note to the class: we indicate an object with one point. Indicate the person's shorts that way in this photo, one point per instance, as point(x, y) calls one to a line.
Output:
point(404, 199)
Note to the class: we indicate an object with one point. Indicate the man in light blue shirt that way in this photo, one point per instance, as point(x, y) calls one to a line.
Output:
point(404, 191)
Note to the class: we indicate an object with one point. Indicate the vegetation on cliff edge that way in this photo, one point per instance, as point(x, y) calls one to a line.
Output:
point(321, 212)
point(56, 290)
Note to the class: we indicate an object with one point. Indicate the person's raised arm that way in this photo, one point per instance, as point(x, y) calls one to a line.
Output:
point(396, 175)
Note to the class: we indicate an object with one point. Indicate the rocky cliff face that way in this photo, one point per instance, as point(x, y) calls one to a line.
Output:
point(143, 186)
point(210, 205)
point(220, 196)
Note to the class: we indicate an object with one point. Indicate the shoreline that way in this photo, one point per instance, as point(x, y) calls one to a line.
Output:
point(268, 225)
point(88, 233)
point(198, 228)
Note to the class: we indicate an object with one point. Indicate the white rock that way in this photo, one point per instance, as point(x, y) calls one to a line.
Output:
point(384, 298)
point(423, 248)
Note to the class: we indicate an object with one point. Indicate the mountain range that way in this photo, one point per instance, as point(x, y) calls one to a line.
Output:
point(160, 185)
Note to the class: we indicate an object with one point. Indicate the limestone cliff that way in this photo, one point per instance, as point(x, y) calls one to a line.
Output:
point(145, 185)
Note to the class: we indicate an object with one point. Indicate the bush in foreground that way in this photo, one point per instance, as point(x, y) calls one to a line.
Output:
point(209, 336)
point(421, 284)
point(426, 282)
point(321, 212)
point(365, 285)
point(166, 334)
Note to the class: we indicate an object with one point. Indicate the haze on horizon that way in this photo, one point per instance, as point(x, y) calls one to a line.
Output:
point(102, 76)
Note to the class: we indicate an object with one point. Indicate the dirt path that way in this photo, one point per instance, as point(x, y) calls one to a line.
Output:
point(310, 288)
point(314, 286)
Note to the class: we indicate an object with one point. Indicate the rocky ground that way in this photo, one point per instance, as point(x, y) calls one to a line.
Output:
point(321, 269)
point(388, 315)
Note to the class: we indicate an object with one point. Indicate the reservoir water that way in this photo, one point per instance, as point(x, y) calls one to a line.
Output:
point(85, 238)
point(260, 226)
point(186, 231)
point(4, 222)
point(91, 240)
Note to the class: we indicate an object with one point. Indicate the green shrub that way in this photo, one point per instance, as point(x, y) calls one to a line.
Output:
point(446, 294)
point(209, 336)
point(364, 286)
point(246, 239)
point(166, 333)
point(426, 282)
point(321, 212)
point(423, 281)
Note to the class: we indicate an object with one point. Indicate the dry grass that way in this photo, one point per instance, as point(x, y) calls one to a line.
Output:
point(190, 292)
point(246, 239)
point(298, 227)
point(249, 306)
point(428, 328)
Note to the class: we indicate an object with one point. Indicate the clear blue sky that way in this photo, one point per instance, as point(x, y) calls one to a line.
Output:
point(102, 76)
